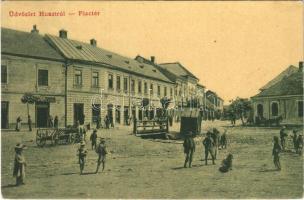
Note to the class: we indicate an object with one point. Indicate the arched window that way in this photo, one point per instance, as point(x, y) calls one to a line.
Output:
point(274, 109)
point(260, 110)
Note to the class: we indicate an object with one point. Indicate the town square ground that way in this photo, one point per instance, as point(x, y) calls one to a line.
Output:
point(153, 168)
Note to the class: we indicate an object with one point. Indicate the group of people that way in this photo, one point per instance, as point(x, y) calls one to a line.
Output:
point(212, 143)
point(52, 123)
point(280, 145)
point(100, 149)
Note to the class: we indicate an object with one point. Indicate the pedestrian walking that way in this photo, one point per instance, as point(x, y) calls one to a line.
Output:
point(93, 139)
point(107, 122)
point(226, 164)
point(29, 121)
point(18, 123)
point(276, 152)
point(56, 122)
point(283, 134)
point(19, 164)
point(102, 152)
point(209, 148)
point(189, 149)
point(82, 153)
point(98, 121)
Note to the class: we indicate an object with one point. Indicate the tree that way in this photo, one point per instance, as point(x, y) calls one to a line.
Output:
point(28, 98)
point(240, 107)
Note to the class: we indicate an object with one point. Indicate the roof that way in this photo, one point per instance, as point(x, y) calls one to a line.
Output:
point(168, 74)
point(177, 69)
point(80, 51)
point(200, 85)
point(27, 44)
point(287, 72)
point(290, 85)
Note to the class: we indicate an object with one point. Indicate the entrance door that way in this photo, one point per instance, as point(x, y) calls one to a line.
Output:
point(42, 114)
point(126, 114)
point(4, 114)
point(78, 113)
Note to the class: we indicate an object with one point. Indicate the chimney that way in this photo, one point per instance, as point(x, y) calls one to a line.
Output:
point(301, 66)
point(153, 59)
point(34, 30)
point(93, 42)
point(63, 33)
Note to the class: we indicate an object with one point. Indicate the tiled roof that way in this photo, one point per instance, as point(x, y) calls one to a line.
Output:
point(290, 85)
point(80, 51)
point(290, 70)
point(26, 44)
point(177, 69)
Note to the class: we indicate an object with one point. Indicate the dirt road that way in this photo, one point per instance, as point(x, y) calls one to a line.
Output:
point(145, 168)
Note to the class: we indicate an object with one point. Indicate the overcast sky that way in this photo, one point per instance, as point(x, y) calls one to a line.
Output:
point(233, 47)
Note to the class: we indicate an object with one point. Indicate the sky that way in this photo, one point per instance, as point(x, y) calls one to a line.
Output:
point(234, 48)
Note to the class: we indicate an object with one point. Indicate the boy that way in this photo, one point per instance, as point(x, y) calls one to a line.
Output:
point(102, 152)
point(276, 153)
point(208, 143)
point(82, 153)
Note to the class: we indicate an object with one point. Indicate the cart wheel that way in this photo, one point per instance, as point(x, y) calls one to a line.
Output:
point(40, 139)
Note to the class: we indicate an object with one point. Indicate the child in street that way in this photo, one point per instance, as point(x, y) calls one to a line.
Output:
point(82, 153)
point(276, 153)
point(226, 164)
point(102, 152)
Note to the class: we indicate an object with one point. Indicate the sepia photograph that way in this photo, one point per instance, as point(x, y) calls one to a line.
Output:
point(152, 99)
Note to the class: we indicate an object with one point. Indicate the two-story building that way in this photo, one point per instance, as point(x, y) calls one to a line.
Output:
point(30, 65)
point(100, 82)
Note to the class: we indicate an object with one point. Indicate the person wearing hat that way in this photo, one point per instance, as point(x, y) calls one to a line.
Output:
point(102, 152)
point(283, 134)
point(19, 164)
point(82, 153)
point(189, 148)
point(93, 139)
point(226, 164)
point(276, 152)
point(209, 145)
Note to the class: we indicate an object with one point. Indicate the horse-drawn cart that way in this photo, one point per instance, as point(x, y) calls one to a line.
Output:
point(57, 136)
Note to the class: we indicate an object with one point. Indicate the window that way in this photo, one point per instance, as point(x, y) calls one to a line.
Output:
point(78, 77)
point(165, 91)
point(158, 90)
point(95, 79)
point(171, 92)
point(125, 84)
point(132, 85)
point(3, 74)
point(110, 81)
point(118, 83)
point(43, 77)
point(300, 108)
point(139, 86)
point(151, 88)
point(274, 109)
point(146, 88)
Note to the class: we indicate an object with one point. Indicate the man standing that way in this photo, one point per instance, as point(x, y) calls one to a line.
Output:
point(93, 139)
point(29, 121)
point(208, 143)
point(283, 134)
point(56, 122)
point(189, 149)
point(215, 136)
point(102, 152)
point(19, 164)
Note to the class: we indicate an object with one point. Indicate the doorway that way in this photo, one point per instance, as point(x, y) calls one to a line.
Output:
point(4, 114)
point(260, 110)
point(42, 114)
point(78, 113)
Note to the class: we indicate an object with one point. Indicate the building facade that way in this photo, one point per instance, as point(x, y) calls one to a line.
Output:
point(30, 65)
point(283, 97)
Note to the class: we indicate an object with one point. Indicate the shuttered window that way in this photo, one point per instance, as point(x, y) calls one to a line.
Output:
point(43, 77)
